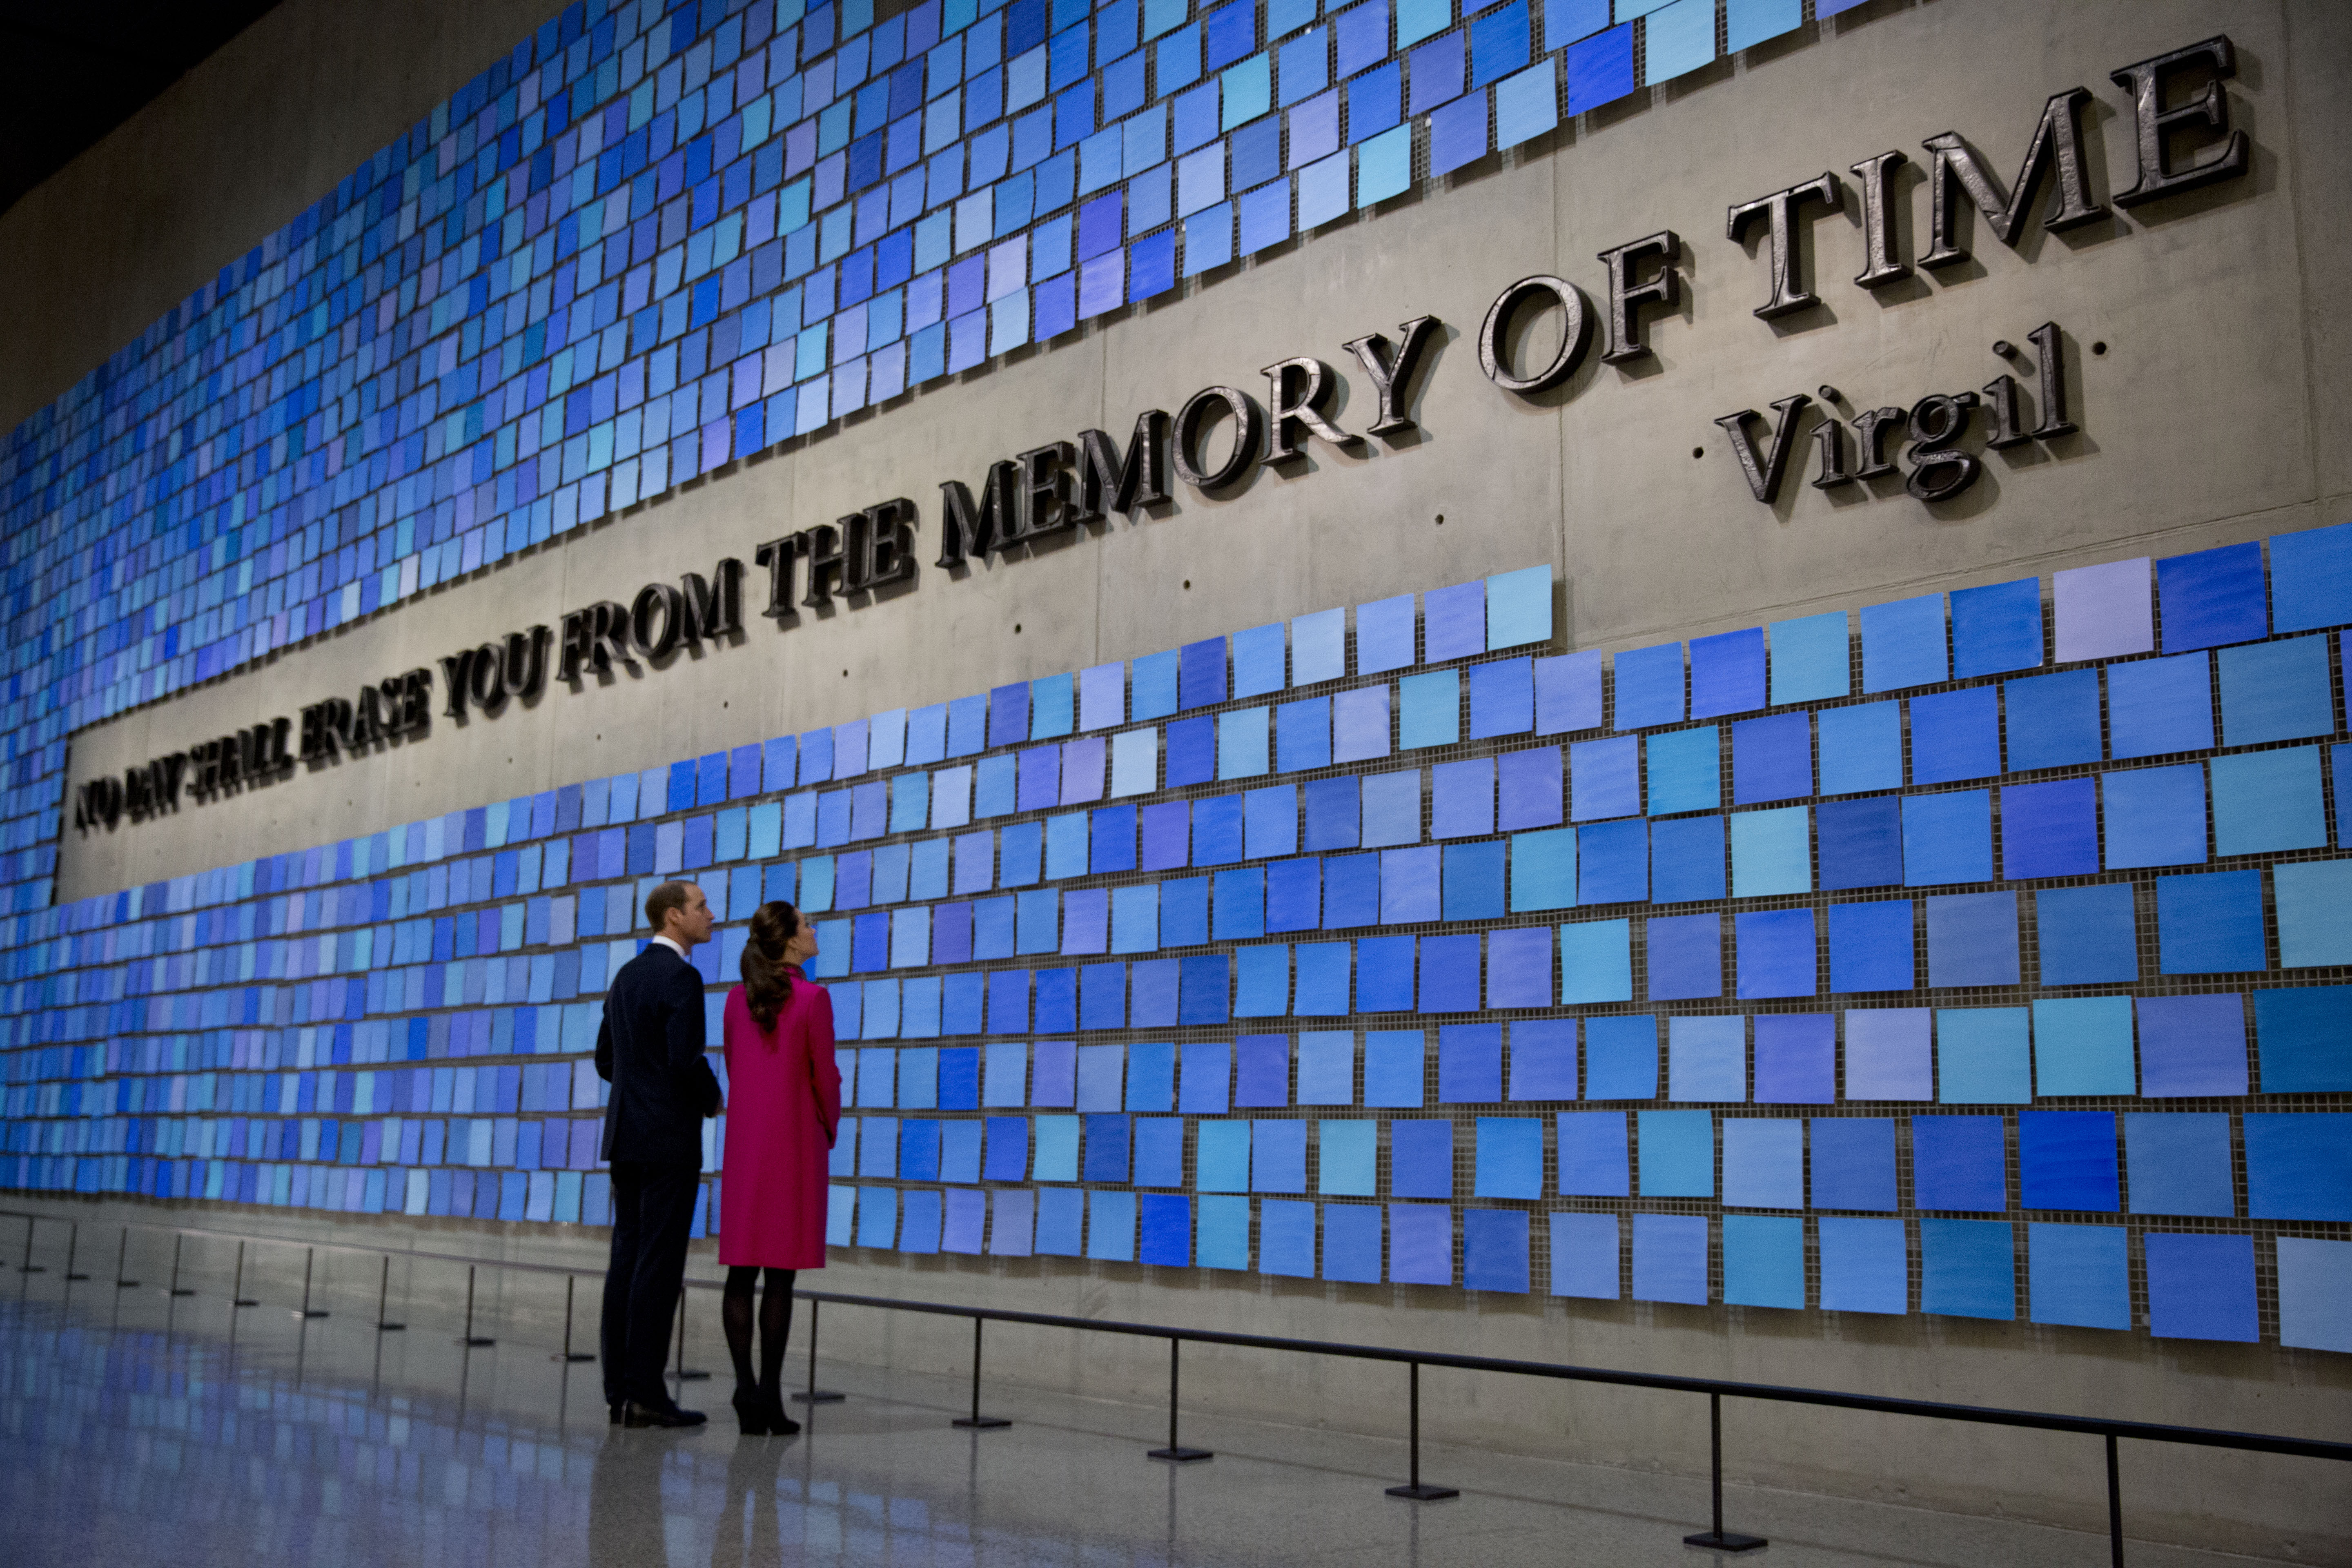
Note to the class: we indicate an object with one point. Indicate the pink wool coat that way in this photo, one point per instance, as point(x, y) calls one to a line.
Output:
point(783, 1103)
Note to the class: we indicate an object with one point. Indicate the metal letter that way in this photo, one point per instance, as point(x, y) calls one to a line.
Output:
point(1829, 439)
point(1764, 480)
point(457, 674)
point(2052, 345)
point(1874, 175)
point(1195, 415)
point(1787, 292)
point(367, 718)
point(1392, 374)
point(2001, 399)
point(822, 547)
point(652, 597)
point(714, 609)
point(1871, 427)
point(1664, 291)
point(890, 535)
point(573, 645)
point(969, 533)
point(526, 663)
point(1576, 331)
point(2057, 139)
point(1107, 483)
point(415, 704)
point(1296, 391)
point(778, 555)
point(1040, 497)
point(2152, 122)
point(487, 684)
point(1936, 420)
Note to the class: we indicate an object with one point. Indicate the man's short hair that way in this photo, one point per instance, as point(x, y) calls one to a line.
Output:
point(662, 900)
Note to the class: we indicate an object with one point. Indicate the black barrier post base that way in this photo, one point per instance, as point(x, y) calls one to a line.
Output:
point(383, 1293)
point(567, 1354)
point(1719, 1539)
point(976, 1422)
point(469, 1339)
point(813, 1395)
point(305, 1310)
point(1413, 1490)
point(237, 1297)
point(1176, 1453)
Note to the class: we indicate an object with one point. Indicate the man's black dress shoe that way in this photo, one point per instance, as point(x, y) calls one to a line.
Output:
point(640, 1415)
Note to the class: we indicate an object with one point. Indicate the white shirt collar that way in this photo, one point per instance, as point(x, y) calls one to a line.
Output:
point(674, 947)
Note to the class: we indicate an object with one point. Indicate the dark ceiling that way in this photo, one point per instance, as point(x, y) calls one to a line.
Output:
point(73, 72)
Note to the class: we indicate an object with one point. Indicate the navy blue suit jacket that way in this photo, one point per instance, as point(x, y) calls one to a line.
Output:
point(650, 1049)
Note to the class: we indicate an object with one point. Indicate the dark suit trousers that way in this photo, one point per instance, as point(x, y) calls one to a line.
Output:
point(652, 1209)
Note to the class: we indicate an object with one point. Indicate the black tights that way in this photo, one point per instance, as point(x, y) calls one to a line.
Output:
point(775, 1327)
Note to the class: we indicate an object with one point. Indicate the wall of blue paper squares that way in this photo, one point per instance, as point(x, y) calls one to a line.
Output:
point(1981, 954)
point(654, 238)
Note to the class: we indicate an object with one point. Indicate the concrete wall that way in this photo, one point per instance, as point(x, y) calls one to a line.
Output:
point(2213, 416)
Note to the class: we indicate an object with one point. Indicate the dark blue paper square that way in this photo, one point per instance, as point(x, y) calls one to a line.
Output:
point(1685, 954)
point(1853, 1162)
point(1872, 947)
point(1201, 673)
point(1796, 1059)
point(1957, 1164)
point(2066, 1160)
point(1384, 972)
point(1727, 673)
point(1972, 940)
point(1861, 842)
point(2210, 922)
point(2087, 934)
point(1650, 687)
point(1612, 862)
point(1449, 973)
point(1261, 1070)
point(2049, 829)
point(1997, 628)
point(1771, 758)
point(1527, 789)
point(2212, 596)
point(1956, 735)
point(1685, 858)
point(2053, 719)
point(1333, 815)
point(1167, 836)
point(1191, 750)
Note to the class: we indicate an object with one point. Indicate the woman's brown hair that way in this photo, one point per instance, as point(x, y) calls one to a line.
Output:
point(767, 975)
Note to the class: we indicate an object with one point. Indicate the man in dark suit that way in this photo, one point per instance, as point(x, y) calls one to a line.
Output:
point(650, 1049)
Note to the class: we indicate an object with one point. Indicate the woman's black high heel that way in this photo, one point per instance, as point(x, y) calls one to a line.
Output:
point(779, 1423)
point(751, 1413)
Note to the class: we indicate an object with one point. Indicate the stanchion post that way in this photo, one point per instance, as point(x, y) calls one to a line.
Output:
point(73, 1245)
point(174, 1289)
point(122, 1261)
point(685, 1374)
point(383, 1295)
point(813, 1395)
point(1176, 1453)
point(975, 1421)
point(2115, 1507)
point(237, 1297)
point(1718, 1539)
point(567, 1354)
point(469, 1339)
point(30, 1267)
point(310, 1256)
point(1412, 1489)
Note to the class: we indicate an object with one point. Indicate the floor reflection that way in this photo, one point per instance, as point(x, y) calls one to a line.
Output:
point(138, 1428)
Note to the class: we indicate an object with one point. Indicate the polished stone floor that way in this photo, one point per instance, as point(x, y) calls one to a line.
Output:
point(135, 1428)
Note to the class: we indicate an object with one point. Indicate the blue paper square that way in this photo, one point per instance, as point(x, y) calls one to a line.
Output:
point(1983, 1056)
point(1853, 1162)
point(1763, 1261)
point(1650, 687)
point(2304, 1037)
point(1494, 1250)
point(1384, 635)
point(2212, 597)
point(2311, 578)
point(2191, 1046)
point(2158, 706)
point(1676, 1153)
point(1685, 956)
point(1958, 1163)
point(1861, 842)
point(2265, 801)
point(2066, 1160)
point(1420, 1244)
point(1613, 862)
point(2203, 1287)
point(2275, 691)
point(1470, 1064)
point(2049, 829)
point(1947, 838)
point(1670, 1258)
point(1771, 758)
point(1604, 779)
point(2179, 1163)
point(1686, 859)
point(1861, 748)
point(1956, 735)
point(1972, 940)
point(1621, 1057)
point(1778, 952)
point(1543, 1060)
point(2083, 1045)
point(1351, 1242)
point(1763, 1162)
point(1865, 1266)
point(1567, 693)
point(2087, 934)
point(2079, 1275)
point(1528, 786)
point(1903, 644)
point(2053, 719)
point(1586, 1256)
point(1685, 771)
point(1727, 673)
point(1593, 1154)
point(2299, 1166)
point(1997, 628)
point(1967, 1267)
point(2209, 922)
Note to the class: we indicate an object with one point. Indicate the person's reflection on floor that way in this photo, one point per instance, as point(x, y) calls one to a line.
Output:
point(750, 1538)
point(624, 1502)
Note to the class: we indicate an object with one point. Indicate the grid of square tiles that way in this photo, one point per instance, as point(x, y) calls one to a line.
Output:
point(1788, 967)
point(656, 238)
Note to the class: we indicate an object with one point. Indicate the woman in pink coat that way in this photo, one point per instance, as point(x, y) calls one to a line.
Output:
point(783, 1102)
